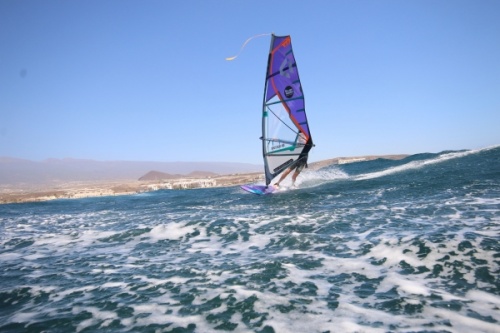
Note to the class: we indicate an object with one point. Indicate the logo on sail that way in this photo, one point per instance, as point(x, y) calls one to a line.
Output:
point(288, 92)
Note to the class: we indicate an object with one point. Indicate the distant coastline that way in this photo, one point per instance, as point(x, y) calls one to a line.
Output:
point(151, 181)
point(86, 189)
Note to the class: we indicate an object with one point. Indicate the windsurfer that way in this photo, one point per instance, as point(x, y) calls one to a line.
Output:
point(301, 161)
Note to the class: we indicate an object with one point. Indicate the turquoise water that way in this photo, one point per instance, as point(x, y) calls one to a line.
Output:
point(380, 246)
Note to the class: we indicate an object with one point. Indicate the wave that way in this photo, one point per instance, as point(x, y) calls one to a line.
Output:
point(387, 167)
point(366, 170)
point(363, 170)
point(319, 177)
point(421, 163)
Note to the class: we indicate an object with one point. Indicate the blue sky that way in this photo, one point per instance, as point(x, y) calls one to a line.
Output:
point(148, 80)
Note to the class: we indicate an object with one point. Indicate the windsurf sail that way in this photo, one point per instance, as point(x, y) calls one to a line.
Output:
point(286, 137)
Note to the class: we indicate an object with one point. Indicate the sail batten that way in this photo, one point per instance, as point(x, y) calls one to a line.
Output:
point(285, 129)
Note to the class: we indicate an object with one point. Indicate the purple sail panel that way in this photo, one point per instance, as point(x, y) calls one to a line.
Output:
point(283, 82)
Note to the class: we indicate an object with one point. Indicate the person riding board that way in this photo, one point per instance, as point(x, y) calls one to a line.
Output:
point(301, 161)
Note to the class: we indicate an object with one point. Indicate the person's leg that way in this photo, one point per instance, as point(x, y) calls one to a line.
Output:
point(283, 176)
point(298, 169)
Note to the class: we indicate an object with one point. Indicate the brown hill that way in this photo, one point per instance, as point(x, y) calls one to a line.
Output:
point(338, 160)
point(157, 175)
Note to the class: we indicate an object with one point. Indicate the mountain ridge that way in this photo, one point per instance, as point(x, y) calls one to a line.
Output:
point(17, 170)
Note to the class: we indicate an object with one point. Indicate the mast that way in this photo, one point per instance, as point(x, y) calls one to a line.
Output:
point(268, 174)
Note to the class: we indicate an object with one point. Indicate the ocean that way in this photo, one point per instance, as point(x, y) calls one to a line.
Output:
point(409, 245)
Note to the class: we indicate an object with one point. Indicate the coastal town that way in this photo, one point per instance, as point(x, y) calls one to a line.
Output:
point(19, 193)
point(85, 189)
